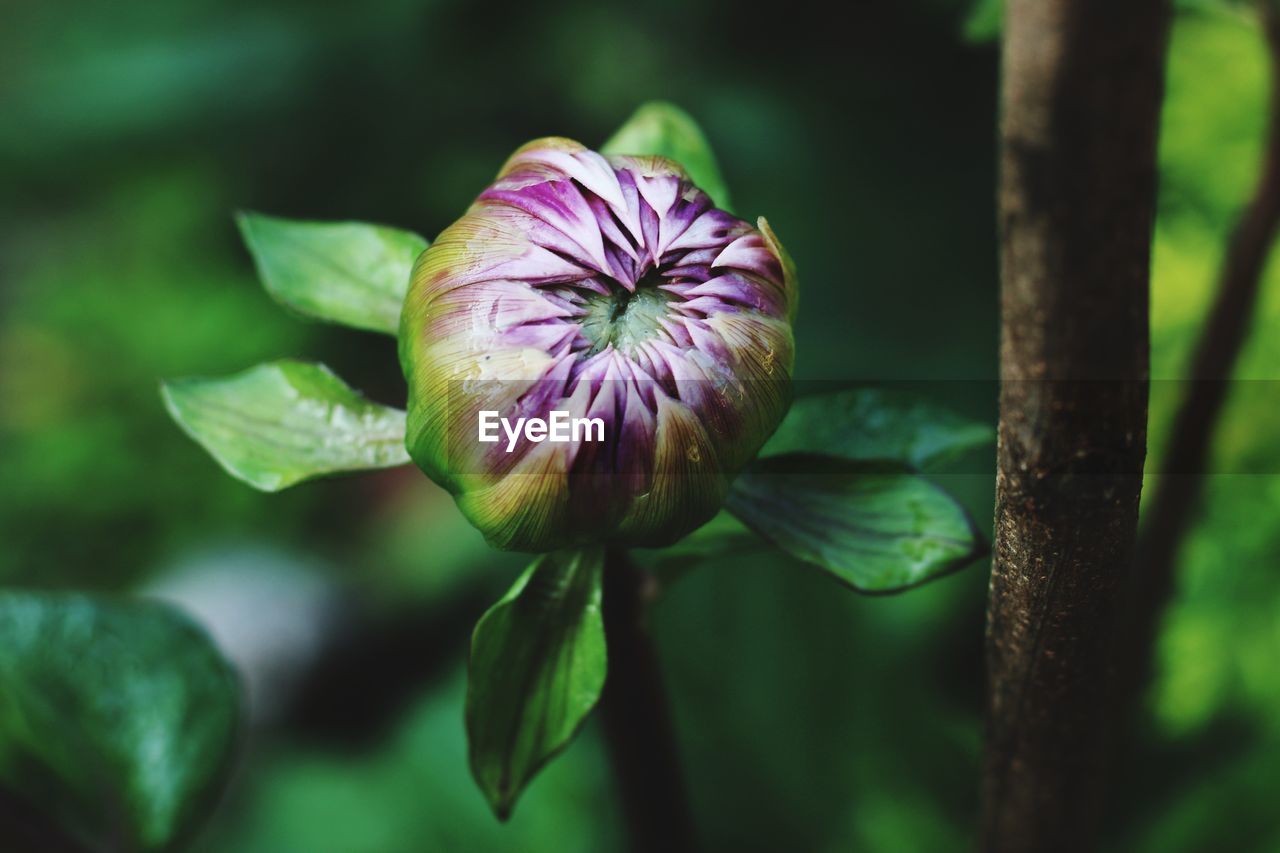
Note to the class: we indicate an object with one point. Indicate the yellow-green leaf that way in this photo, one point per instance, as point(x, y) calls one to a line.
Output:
point(351, 273)
point(286, 421)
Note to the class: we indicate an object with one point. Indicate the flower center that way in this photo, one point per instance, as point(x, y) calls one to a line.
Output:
point(624, 318)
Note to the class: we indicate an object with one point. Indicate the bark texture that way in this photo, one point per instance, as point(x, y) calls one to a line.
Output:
point(1082, 86)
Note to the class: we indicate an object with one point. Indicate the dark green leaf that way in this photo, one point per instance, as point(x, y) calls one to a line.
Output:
point(876, 527)
point(722, 536)
point(872, 423)
point(984, 21)
point(664, 129)
point(287, 421)
point(343, 272)
point(116, 717)
point(537, 667)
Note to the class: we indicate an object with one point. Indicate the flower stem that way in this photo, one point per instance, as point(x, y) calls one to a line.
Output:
point(637, 720)
point(27, 829)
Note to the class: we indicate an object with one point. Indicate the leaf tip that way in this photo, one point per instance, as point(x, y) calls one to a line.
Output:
point(503, 804)
point(169, 390)
point(244, 220)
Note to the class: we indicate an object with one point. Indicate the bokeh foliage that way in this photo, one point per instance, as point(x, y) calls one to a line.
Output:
point(810, 718)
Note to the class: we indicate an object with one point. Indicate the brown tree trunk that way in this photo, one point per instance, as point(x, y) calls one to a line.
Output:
point(1082, 86)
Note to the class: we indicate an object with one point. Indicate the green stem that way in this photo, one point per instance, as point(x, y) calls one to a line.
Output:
point(637, 720)
point(27, 830)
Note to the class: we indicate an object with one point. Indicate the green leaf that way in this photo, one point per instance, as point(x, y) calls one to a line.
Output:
point(286, 421)
point(342, 272)
point(872, 423)
point(537, 668)
point(664, 129)
point(983, 21)
point(118, 718)
point(722, 536)
point(876, 527)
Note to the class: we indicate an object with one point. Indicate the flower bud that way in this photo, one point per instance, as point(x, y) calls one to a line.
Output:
point(610, 290)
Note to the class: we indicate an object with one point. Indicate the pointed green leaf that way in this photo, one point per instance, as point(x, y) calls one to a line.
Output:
point(117, 718)
point(666, 130)
point(872, 423)
point(876, 527)
point(537, 668)
point(351, 273)
point(286, 421)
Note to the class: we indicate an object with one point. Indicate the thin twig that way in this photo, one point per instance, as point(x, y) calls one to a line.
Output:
point(1177, 493)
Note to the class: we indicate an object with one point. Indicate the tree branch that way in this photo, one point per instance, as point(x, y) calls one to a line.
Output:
point(637, 721)
point(1082, 86)
point(1177, 493)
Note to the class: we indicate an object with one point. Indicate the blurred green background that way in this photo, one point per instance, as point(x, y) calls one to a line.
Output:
point(810, 718)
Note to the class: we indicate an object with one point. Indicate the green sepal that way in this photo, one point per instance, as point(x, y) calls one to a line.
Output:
point(668, 131)
point(536, 670)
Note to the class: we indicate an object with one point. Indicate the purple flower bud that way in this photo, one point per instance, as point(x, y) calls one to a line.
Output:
point(605, 289)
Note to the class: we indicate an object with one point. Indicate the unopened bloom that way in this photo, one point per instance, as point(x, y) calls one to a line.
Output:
point(607, 288)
